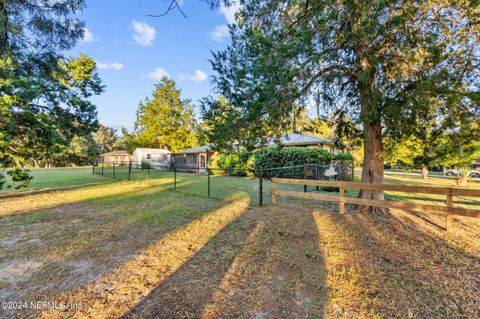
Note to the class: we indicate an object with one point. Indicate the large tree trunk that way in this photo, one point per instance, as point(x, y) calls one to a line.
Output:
point(372, 171)
point(36, 162)
point(425, 171)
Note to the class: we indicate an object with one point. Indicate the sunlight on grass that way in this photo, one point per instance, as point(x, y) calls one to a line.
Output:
point(118, 291)
point(14, 205)
point(344, 292)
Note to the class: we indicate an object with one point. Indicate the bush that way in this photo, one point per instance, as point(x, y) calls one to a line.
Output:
point(146, 165)
point(343, 163)
point(294, 159)
point(343, 156)
point(20, 177)
point(274, 157)
point(3, 179)
point(234, 163)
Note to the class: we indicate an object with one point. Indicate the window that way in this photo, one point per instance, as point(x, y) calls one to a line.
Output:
point(149, 156)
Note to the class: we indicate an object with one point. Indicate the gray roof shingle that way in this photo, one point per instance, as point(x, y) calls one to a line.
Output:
point(292, 139)
point(300, 139)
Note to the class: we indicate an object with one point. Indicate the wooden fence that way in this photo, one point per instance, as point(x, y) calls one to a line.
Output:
point(341, 199)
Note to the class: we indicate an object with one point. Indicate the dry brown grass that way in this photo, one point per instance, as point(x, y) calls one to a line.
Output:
point(398, 266)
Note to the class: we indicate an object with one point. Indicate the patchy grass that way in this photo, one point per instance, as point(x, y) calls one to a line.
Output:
point(137, 249)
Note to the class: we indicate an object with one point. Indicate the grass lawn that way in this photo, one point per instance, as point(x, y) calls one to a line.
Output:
point(138, 249)
point(51, 178)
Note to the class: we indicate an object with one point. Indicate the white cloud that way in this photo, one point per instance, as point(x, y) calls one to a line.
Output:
point(198, 76)
point(110, 66)
point(229, 12)
point(87, 36)
point(219, 33)
point(144, 34)
point(157, 74)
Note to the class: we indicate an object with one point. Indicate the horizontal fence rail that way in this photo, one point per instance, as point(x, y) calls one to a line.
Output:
point(448, 192)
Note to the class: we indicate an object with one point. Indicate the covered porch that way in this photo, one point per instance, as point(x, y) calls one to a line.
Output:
point(194, 160)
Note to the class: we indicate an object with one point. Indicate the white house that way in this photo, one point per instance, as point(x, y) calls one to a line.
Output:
point(154, 156)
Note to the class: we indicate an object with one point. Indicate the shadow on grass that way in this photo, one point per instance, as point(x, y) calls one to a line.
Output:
point(260, 265)
point(405, 270)
point(76, 243)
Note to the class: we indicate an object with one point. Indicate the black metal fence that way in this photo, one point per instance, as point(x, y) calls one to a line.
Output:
point(343, 171)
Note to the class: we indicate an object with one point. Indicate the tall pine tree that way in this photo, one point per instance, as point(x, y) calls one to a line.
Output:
point(166, 120)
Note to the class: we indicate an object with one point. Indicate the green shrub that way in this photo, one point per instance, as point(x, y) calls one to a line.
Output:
point(343, 163)
point(274, 157)
point(21, 177)
point(329, 189)
point(146, 165)
point(234, 163)
point(343, 156)
point(3, 179)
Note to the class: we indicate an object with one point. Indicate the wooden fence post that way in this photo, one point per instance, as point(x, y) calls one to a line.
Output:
point(274, 198)
point(341, 203)
point(449, 218)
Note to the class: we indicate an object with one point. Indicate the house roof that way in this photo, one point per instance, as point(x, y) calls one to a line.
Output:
point(299, 139)
point(288, 140)
point(198, 149)
point(119, 152)
point(153, 150)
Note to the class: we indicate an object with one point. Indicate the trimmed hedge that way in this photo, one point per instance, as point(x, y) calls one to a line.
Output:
point(293, 160)
point(272, 157)
point(343, 156)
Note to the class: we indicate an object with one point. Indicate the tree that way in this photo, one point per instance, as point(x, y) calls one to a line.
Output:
point(46, 110)
point(380, 62)
point(37, 32)
point(221, 120)
point(403, 151)
point(43, 95)
point(166, 120)
point(104, 138)
point(127, 141)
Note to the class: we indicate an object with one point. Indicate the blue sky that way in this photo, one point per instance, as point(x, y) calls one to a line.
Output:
point(133, 50)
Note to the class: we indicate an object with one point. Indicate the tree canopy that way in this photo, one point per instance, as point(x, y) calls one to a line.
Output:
point(44, 96)
point(165, 120)
point(380, 62)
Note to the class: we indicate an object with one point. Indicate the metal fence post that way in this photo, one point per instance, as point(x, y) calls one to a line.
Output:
point(209, 173)
point(102, 168)
point(93, 168)
point(174, 178)
point(129, 170)
point(316, 176)
point(261, 188)
point(148, 169)
point(353, 171)
point(304, 177)
point(113, 169)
